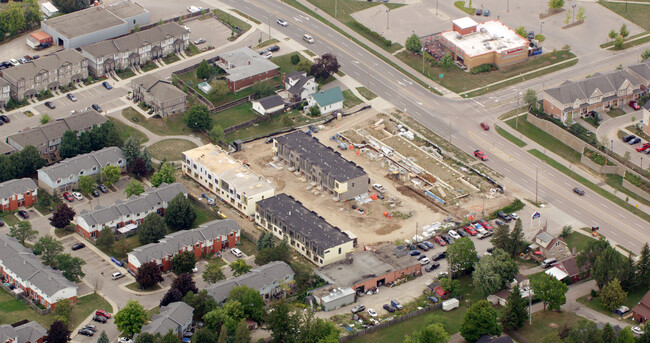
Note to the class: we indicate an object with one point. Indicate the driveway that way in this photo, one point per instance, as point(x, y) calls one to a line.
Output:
point(608, 130)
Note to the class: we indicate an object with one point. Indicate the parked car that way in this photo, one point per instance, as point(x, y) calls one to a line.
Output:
point(479, 11)
point(428, 244)
point(414, 252)
point(95, 193)
point(103, 314)
point(643, 147)
point(372, 312)
point(622, 310)
point(396, 304)
point(634, 105)
point(14, 62)
point(313, 128)
point(514, 216)
point(505, 217)
point(273, 48)
point(5, 119)
point(389, 308)
point(107, 85)
point(485, 224)
point(282, 22)
point(453, 234)
point(486, 13)
point(86, 332)
point(117, 275)
point(628, 138)
point(432, 299)
point(637, 330)
point(77, 246)
point(124, 340)
point(634, 141)
point(440, 241)
point(358, 308)
point(485, 126)
point(71, 97)
point(447, 238)
point(424, 261)
point(23, 214)
point(97, 108)
point(309, 39)
point(90, 327)
point(68, 196)
point(432, 266)
point(439, 256)
point(199, 41)
point(50, 105)
point(77, 195)
point(484, 235)
point(423, 246)
point(236, 252)
point(102, 188)
point(480, 154)
point(579, 191)
point(267, 54)
point(499, 222)
point(35, 57)
point(461, 233)
point(470, 230)
point(100, 319)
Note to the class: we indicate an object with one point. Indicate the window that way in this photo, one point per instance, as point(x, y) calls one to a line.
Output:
point(119, 161)
point(339, 251)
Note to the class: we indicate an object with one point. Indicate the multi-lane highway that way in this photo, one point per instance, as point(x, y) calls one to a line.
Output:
point(439, 113)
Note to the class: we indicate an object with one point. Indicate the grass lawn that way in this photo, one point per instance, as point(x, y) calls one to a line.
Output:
point(546, 324)
point(170, 125)
point(192, 50)
point(505, 134)
point(275, 124)
point(125, 74)
point(590, 185)
point(9, 218)
point(234, 116)
point(171, 59)
point(247, 246)
point(544, 139)
point(350, 100)
point(132, 242)
point(638, 14)
point(136, 287)
point(128, 131)
point(633, 297)
point(148, 66)
point(172, 149)
point(13, 310)
point(232, 20)
point(366, 93)
point(459, 81)
point(284, 62)
point(267, 43)
point(203, 215)
point(577, 240)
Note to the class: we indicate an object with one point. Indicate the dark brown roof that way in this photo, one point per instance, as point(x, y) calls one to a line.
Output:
point(643, 308)
point(570, 266)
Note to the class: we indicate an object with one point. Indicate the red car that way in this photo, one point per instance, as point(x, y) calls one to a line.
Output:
point(103, 313)
point(480, 154)
point(469, 229)
point(68, 196)
point(440, 241)
point(634, 105)
point(485, 126)
point(485, 224)
point(643, 147)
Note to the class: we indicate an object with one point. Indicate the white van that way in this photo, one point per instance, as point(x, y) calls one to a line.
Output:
point(236, 252)
point(308, 38)
point(117, 275)
point(548, 262)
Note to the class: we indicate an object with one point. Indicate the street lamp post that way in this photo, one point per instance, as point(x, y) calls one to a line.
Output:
point(517, 111)
point(387, 17)
point(574, 12)
point(336, 8)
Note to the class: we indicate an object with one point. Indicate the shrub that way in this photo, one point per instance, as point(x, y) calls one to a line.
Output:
point(295, 59)
point(371, 33)
point(483, 68)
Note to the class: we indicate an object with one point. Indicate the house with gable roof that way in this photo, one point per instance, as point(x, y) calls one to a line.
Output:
point(550, 246)
point(176, 316)
point(30, 332)
point(16, 193)
point(267, 279)
point(327, 101)
point(162, 96)
point(299, 85)
point(268, 105)
point(244, 67)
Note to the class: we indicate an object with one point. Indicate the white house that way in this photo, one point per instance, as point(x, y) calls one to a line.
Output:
point(269, 105)
point(327, 101)
point(299, 85)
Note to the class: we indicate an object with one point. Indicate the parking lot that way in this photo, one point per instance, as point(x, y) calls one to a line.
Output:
point(213, 31)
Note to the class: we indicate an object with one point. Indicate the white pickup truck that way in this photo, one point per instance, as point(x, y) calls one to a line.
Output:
point(379, 188)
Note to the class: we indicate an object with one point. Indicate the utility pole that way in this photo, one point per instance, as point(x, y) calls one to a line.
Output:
point(269, 27)
point(517, 112)
point(336, 8)
point(508, 10)
point(422, 52)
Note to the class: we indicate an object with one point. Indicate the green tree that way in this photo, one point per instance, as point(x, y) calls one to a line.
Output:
point(551, 291)
point(240, 267)
point(216, 133)
point(624, 31)
point(581, 13)
point(70, 266)
point(493, 272)
point(204, 335)
point(103, 338)
point(223, 337)
point(304, 65)
point(501, 237)
point(612, 34)
point(265, 240)
point(180, 214)
point(134, 187)
point(608, 333)
point(253, 304)
point(110, 175)
point(85, 143)
point(170, 337)
point(643, 267)
point(67, 6)
point(314, 329)
point(281, 252)
point(213, 273)
point(627, 273)
point(58, 333)
point(645, 54)
point(242, 334)
point(314, 111)
point(87, 184)
point(63, 310)
point(152, 229)
point(198, 118)
point(432, 333)
point(516, 312)
point(202, 302)
point(446, 62)
point(283, 323)
point(521, 31)
point(219, 88)
point(69, 145)
point(164, 175)
point(462, 254)
point(626, 335)
point(530, 98)
point(584, 331)
point(612, 295)
point(263, 89)
point(618, 42)
point(607, 266)
point(48, 248)
point(131, 318)
point(590, 253)
point(566, 231)
point(106, 238)
point(480, 319)
point(204, 71)
point(450, 285)
point(295, 59)
point(31, 159)
point(62, 216)
point(23, 232)
point(145, 337)
point(45, 118)
point(183, 262)
point(555, 4)
point(148, 275)
point(173, 295)
point(517, 242)
point(413, 44)
point(131, 150)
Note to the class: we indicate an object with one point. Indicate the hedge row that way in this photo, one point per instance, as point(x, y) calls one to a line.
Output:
point(371, 33)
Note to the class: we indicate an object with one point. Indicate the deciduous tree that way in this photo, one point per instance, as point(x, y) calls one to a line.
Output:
point(607, 266)
point(106, 238)
point(551, 291)
point(263, 89)
point(87, 184)
point(612, 34)
point(69, 145)
point(612, 295)
point(58, 333)
point(432, 333)
point(645, 54)
point(172, 295)
point(23, 232)
point(131, 317)
point(183, 263)
point(198, 118)
point(413, 44)
point(164, 175)
point(48, 248)
point(216, 133)
point(70, 266)
point(110, 175)
point(623, 32)
point(148, 275)
point(204, 335)
point(213, 273)
point(62, 216)
point(219, 88)
point(283, 322)
point(242, 334)
point(180, 214)
point(555, 4)
point(134, 187)
point(253, 304)
point(462, 254)
point(480, 319)
point(103, 338)
point(204, 71)
point(184, 284)
point(32, 160)
point(239, 267)
point(493, 272)
point(152, 229)
point(281, 252)
point(202, 302)
point(63, 310)
point(530, 98)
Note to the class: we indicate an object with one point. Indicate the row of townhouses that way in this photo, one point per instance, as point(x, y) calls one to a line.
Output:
point(573, 99)
point(30, 332)
point(162, 96)
point(268, 280)
point(176, 316)
point(21, 268)
point(64, 176)
point(208, 238)
point(127, 215)
point(16, 193)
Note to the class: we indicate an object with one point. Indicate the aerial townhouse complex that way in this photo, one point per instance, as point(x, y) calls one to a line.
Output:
point(267, 280)
point(46, 73)
point(226, 177)
point(30, 332)
point(304, 230)
point(208, 238)
point(21, 268)
point(135, 49)
point(64, 176)
point(125, 216)
point(321, 164)
point(16, 193)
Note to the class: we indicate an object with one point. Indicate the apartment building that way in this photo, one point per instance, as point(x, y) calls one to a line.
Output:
point(176, 316)
point(208, 238)
point(38, 282)
point(127, 215)
point(321, 164)
point(135, 49)
point(226, 177)
point(17, 193)
point(46, 73)
point(244, 67)
point(47, 138)
point(30, 332)
point(268, 280)
point(64, 176)
point(304, 230)
point(162, 96)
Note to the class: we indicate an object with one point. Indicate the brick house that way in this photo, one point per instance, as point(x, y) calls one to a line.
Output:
point(550, 246)
point(17, 193)
point(29, 332)
point(244, 67)
point(208, 238)
point(641, 312)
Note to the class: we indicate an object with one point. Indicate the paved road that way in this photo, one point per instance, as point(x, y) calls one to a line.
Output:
point(460, 118)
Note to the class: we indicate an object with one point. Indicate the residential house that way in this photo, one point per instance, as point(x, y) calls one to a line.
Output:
point(127, 215)
point(176, 316)
point(573, 99)
point(520, 281)
point(641, 312)
point(227, 178)
point(645, 124)
point(269, 105)
point(64, 176)
point(38, 282)
point(5, 93)
point(268, 280)
point(321, 164)
point(16, 193)
point(29, 332)
point(299, 85)
point(305, 231)
point(162, 96)
point(550, 246)
point(46, 73)
point(95, 24)
point(47, 138)
point(244, 67)
point(570, 267)
point(135, 49)
point(327, 101)
point(6, 149)
point(208, 238)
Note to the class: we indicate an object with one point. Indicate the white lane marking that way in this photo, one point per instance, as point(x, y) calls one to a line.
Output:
point(578, 212)
point(566, 183)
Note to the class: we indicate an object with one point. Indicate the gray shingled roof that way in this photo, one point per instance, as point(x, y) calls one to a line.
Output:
point(642, 69)
point(170, 318)
point(324, 157)
point(316, 230)
point(30, 332)
point(147, 201)
point(6, 148)
point(171, 244)
point(569, 91)
point(44, 64)
point(28, 267)
point(257, 278)
point(133, 41)
point(159, 89)
point(72, 166)
point(544, 237)
point(17, 186)
point(271, 101)
point(243, 63)
point(300, 78)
